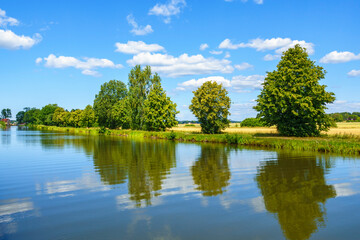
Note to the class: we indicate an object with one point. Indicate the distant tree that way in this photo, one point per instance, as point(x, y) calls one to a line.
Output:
point(292, 98)
point(32, 116)
point(121, 114)
point(20, 117)
point(353, 118)
point(6, 113)
point(140, 82)
point(159, 111)
point(46, 114)
point(109, 94)
point(59, 117)
point(75, 118)
point(87, 117)
point(252, 122)
point(210, 105)
point(337, 117)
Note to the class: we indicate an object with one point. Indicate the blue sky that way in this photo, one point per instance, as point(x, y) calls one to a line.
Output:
point(61, 52)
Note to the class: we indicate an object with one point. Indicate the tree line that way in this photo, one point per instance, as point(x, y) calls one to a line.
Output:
point(292, 99)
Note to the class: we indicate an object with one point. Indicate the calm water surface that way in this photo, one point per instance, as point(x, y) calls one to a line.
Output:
point(58, 186)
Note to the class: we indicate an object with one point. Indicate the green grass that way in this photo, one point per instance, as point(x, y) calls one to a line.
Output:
point(341, 144)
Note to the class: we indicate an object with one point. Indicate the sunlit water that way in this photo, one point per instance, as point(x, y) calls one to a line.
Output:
point(58, 186)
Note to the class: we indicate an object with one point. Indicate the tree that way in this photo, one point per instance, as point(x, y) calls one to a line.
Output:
point(159, 110)
point(46, 114)
point(32, 116)
point(210, 105)
point(140, 82)
point(109, 94)
point(59, 117)
point(20, 117)
point(6, 113)
point(121, 114)
point(87, 117)
point(292, 98)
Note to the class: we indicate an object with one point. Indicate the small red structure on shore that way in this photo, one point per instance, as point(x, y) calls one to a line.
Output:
point(6, 120)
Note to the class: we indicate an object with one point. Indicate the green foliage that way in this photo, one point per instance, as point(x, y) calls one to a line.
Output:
point(171, 135)
point(140, 82)
point(252, 122)
point(20, 117)
point(159, 110)
point(87, 117)
point(189, 125)
point(2, 125)
point(292, 98)
point(338, 117)
point(6, 113)
point(110, 93)
point(46, 114)
point(32, 116)
point(121, 113)
point(210, 105)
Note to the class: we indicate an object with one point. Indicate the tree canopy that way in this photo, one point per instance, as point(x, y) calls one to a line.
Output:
point(292, 98)
point(6, 113)
point(109, 94)
point(210, 105)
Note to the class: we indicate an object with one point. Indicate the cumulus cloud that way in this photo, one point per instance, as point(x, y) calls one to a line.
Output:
point(167, 10)
point(9, 40)
point(138, 30)
point(339, 57)
point(5, 20)
point(181, 66)
point(279, 45)
point(88, 65)
point(243, 66)
point(271, 57)
point(354, 73)
point(216, 52)
point(203, 46)
point(238, 83)
point(343, 106)
point(132, 47)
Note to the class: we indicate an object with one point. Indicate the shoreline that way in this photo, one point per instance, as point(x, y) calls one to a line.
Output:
point(340, 144)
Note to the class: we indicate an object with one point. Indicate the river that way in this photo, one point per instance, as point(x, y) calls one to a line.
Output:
point(59, 186)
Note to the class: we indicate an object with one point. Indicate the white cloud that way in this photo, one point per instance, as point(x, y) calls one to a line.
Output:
point(271, 57)
point(339, 57)
point(167, 10)
point(138, 30)
point(354, 73)
point(243, 66)
point(203, 46)
point(279, 45)
point(132, 47)
point(5, 20)
point(343, 106)
point(87, 66)
point(237, 83)
point(227, 55)
point(181, 66)
point(216, 52)
point(10, 40)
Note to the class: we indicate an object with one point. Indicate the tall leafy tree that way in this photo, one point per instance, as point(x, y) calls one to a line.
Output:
point(59, 117)
point(32, 116)
point(159, 111)
point(121, 113)
point(20, 117)
point(6, 113)
point(292, 98)
point(210, 105)
point(46, 114)
point(109, 94)
point(140, 82)
point(87, 117)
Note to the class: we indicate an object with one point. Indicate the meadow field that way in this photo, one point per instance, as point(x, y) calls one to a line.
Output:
point(343, 128)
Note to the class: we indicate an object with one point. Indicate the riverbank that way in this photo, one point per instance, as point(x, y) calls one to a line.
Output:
point(340, 144)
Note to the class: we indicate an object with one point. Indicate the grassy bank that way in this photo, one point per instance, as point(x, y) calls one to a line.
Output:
point(341, 144)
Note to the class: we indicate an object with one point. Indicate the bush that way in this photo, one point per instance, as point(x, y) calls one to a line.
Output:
point(252, 122)
point(189, 125)
point(171, 135)
point(2, 124)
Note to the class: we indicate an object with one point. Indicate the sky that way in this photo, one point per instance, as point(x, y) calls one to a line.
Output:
point(63, 51)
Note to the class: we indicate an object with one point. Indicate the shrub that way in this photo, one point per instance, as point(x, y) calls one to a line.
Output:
point(252, 122)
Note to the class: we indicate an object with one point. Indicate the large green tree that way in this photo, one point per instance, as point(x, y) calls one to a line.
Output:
point(292, 98)
point(20, 117)
point(109, 94)
point(32, 116)
point(210, 105)
point(6, 113)
point(87, 117)
point(121, 113)
point(159, 111)
point(46, 114)
point(140, 82)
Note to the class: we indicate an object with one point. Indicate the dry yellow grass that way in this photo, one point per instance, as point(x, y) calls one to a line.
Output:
point(344, 128)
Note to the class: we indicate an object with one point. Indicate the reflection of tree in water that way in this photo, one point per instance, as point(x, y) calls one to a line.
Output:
point(211, 170)
point(144, 163)
point(296, 190)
